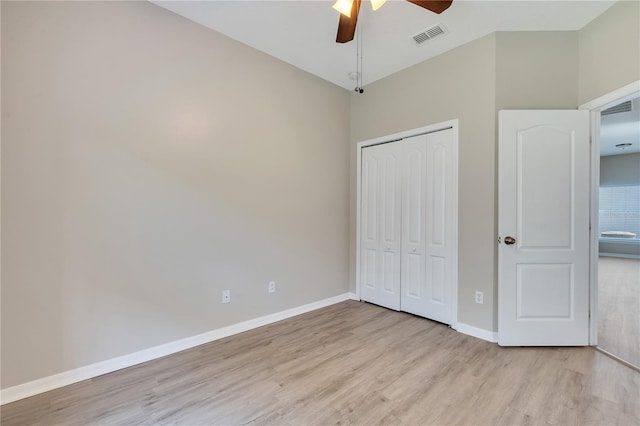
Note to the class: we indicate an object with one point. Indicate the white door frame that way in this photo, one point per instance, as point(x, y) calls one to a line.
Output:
point(595, 106)
point(450, 124)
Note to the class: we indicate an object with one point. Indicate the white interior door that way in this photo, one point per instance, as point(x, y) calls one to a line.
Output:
point(543, 255)
point(427, 225)
point(381, 225)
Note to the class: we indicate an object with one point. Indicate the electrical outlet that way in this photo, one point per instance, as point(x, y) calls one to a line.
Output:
point(479, 297)
point(226, 296)
point(272, 286)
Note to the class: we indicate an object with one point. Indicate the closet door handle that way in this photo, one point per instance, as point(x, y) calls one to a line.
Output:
point(509, 240)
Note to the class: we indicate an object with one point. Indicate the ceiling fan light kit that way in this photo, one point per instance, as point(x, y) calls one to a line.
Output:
point(349, 17)
point(344, 7)
point(349, 14)
point(376, 4)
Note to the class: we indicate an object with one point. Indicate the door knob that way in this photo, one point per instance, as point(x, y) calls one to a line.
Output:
point(509, 240)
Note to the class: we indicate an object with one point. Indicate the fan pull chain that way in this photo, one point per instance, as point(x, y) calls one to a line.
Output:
point(361, 52)
point(359, 88)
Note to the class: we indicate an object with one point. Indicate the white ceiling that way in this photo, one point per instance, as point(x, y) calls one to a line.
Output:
point(302, 32)
point(619, 128)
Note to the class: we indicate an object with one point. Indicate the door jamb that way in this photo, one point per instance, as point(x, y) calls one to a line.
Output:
point(595, 106)
point(450, 124)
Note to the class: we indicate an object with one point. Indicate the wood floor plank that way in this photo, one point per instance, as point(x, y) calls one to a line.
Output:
point(619, 307)
point(350, 363)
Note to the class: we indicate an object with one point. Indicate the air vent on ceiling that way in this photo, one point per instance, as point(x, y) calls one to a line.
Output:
point(430, 33)
point(623, 107)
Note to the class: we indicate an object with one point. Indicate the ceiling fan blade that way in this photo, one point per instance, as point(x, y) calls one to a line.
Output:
point(436, 6)
point(347, 26)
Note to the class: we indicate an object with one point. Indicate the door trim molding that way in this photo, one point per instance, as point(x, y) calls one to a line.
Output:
point(616, 96)
point(450, 124)
point(595, 106)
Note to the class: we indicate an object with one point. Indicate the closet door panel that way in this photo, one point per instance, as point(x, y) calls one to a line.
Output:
point(369, 223)
point(436, 194)
point(413, 225)
point(390, 282)
point(439, 181)
point(390, 228)
point(414, 194)
point(437, 279)
point(380, 270)
point(412, 284)
point(426, 285)
point(369, 270)
point(370, 199)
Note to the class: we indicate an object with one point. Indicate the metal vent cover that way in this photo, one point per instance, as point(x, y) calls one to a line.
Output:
point(430, 33)
point(623, 107)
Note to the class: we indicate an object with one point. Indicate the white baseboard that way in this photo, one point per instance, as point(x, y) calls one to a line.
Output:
point(45, 384)
point(480, 333)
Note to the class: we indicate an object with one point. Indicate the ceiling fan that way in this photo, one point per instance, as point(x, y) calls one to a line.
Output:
point(349, 14)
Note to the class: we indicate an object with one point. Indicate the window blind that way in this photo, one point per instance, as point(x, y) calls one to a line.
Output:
point(619, 209)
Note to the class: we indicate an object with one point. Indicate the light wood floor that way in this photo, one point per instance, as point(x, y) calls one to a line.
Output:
point(351, 363)
point(619, 307)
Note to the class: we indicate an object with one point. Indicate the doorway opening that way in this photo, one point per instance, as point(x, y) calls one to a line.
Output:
point(619, 231)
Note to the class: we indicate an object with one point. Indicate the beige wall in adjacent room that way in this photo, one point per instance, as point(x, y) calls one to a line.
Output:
point(610, 51)
point(148, 163)
point(621, 169)
point(457, 84)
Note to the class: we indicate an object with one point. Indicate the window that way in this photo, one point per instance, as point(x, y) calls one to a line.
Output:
point(620, 211)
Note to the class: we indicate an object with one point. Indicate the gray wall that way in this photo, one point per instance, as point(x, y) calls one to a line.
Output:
point(536, 70)
point(147, 164)
point(507, 70)
point(609, 52)
point(620, 169)
point(457, 84)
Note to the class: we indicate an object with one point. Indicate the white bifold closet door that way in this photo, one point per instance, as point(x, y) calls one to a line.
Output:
point(407, 225)
point(381, 225)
